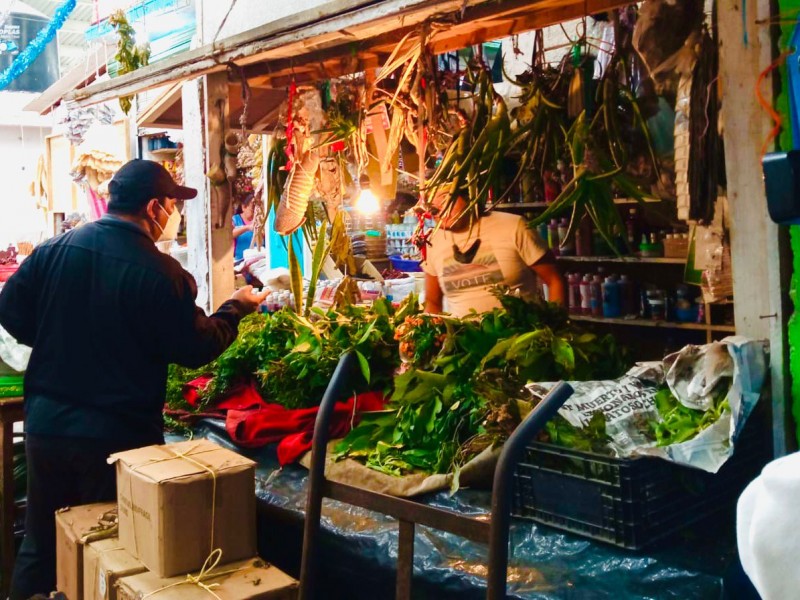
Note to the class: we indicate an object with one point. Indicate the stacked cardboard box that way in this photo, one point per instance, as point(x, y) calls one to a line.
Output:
point(186, 523)
point(74, 526)
point(105, 562)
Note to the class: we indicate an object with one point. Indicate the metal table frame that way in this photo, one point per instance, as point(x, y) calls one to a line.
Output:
point(11, 411)
point(409, 513)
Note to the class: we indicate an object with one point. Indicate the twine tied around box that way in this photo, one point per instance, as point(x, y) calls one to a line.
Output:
point(202, 577)
point(215, 554)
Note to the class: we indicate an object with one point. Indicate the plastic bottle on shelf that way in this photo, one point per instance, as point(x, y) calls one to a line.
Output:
point(586, 294)
point(574, 293)
point(628, 298)
point(658, 247)
point(567, 247)
point(543, 230)
point(583, 237)
point(596, 296)
point(552, 236)
point(657, 305)
point(631, 227)
point(611, 298)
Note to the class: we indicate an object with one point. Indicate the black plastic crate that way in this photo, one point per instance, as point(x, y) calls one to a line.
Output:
point(630, 503)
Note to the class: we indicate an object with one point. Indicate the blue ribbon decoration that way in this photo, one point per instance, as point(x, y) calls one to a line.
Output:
point(25, 59)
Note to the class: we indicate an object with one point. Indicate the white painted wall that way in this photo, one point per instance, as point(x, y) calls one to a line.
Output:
point(20, 148)
point(21, 143)
point(246, 14)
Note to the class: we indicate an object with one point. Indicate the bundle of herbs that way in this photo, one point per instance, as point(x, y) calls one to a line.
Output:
point(472, 394)
point(290, 358)
point(680, 423)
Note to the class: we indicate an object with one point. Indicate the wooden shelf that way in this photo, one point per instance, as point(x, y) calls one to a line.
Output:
point(651, 323)
point(633, 201)
point(623, 259)
point(521, 205)
point(508, 205)
point(165, 153)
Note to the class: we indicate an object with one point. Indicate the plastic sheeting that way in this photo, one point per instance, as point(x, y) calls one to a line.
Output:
point(360, 548)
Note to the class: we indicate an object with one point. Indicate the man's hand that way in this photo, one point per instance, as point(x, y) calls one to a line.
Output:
point(250, 299)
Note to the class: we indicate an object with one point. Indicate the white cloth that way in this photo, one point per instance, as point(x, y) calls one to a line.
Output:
point(767, 523)
point(507, 251)
point(12, 353)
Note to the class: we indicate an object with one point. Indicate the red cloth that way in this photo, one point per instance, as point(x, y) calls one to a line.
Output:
point(252, 423)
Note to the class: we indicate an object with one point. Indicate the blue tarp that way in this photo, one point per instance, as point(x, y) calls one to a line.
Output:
point(360, 548)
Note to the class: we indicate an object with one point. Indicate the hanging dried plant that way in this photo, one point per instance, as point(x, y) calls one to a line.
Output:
point(129, 56)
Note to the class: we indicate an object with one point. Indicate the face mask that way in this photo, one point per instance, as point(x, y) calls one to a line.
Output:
point(170, 231)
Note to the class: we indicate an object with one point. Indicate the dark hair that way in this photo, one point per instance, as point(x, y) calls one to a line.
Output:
point(244, 203)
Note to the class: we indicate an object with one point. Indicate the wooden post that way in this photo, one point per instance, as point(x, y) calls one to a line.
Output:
point(221, 281)
point(759, 254)
point(196, 210)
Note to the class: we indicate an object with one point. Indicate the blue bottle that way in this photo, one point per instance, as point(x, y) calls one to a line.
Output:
point(612, 303)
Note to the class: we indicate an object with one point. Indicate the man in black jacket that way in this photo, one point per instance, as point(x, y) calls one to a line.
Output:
point(105, 313)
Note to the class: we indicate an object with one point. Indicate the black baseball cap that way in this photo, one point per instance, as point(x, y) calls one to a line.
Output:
point(138, 181)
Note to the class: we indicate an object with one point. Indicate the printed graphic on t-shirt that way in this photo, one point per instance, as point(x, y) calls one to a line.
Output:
point(482, 271)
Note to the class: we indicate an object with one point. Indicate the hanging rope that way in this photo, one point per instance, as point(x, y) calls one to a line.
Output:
point(32, 51)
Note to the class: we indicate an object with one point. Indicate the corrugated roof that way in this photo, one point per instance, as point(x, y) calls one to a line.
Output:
point(71, 42)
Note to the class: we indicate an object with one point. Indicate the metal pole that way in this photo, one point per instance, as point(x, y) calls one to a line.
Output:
point(337, 389)
point(502, 487)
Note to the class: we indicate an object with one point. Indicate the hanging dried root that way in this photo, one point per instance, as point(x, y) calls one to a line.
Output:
point(291, 213)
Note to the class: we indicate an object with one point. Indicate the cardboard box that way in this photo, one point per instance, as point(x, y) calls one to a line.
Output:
point(72, 527)
point(245, 580)
point(104, 563)
point(172, 497)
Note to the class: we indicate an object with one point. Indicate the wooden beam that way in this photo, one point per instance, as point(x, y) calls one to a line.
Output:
point(197, 210)
point(220, 202)
point(338, 61)
point(371, 26)
point(759, 252)
point(337, 15)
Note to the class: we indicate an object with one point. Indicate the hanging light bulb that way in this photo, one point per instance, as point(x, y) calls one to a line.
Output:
point(366, 203)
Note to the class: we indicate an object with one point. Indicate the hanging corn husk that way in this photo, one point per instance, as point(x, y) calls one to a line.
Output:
point(307, 120)
point(293, 206)
point(418, 101)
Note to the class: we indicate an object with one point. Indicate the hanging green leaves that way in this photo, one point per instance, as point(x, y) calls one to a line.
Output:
point(129, 56)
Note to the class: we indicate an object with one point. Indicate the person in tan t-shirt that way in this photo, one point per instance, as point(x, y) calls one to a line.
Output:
point(469, 254)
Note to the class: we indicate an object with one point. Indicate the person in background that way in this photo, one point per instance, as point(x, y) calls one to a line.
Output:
point(470, 253)
point(243, 227)
point(105, 313)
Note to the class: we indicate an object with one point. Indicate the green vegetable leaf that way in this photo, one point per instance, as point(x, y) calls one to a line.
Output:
point(320, 251)
point(364, 364)
point(563, 354)
point(295, 275)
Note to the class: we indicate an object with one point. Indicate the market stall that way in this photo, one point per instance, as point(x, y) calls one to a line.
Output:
point(615, 159)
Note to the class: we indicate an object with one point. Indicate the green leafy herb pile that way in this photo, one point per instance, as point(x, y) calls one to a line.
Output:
point(291, 358)
point(680, 423)
point(473, 393)
point(592, 438)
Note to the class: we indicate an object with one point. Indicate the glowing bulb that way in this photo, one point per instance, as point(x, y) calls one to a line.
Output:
point(367, 203)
